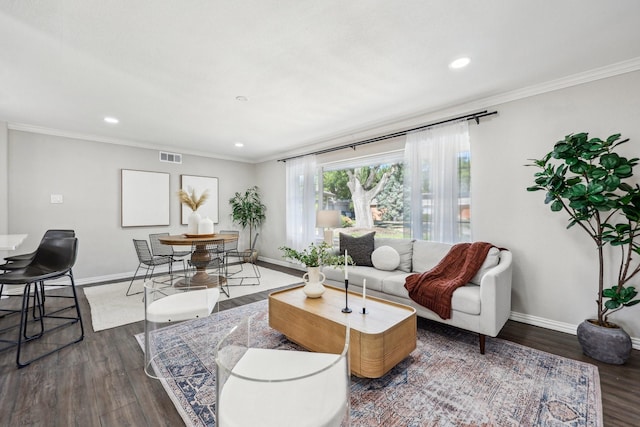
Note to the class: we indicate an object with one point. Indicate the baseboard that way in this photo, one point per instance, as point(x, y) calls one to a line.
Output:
point(160, 269)
point(555, 325)
point(107, 278)
point(282, 263)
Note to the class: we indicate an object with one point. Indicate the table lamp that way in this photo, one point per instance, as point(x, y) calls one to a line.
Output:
point(328, 220)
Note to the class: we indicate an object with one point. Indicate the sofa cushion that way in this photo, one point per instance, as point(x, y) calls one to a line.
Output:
point(359, 248)
point(404, 248)
point(492, 259)
point(427, 255)
point(385, 258)
point(394, 285)
point(465, 299)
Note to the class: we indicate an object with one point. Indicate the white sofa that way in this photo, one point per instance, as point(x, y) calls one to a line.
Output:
point(483, 305)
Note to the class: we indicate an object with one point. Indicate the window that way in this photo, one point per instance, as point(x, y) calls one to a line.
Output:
point(422, 192)
point(368, 192)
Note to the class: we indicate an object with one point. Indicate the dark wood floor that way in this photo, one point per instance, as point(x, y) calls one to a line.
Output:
point(101, 382)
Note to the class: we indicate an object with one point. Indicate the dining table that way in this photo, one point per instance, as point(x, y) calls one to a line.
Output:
point(200, 257)
point(10, 242)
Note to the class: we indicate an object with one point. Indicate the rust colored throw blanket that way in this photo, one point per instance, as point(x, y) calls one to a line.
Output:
point(434, 289)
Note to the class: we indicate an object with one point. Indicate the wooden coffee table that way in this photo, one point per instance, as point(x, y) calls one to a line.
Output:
point(379, 340)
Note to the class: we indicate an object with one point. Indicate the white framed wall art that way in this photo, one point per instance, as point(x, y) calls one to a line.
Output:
point(200, 184)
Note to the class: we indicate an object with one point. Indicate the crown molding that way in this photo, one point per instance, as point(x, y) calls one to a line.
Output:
point(612, 70)
point(416, 119)
point(125, 142)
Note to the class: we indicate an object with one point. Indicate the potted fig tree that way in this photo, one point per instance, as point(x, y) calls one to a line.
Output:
point(248, 210)
point(585, 178)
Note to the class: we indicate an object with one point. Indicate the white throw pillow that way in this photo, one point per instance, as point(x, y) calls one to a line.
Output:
point(404, 248)
point(385, 258)
point(492, 259)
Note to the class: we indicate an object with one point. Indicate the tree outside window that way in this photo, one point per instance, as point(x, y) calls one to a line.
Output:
point(368, 197)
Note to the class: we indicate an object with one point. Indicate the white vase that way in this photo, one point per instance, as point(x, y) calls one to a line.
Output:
point(205, 226)
point(193, 222)
point(313, 279)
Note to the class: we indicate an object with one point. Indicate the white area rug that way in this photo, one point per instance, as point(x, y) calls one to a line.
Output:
point(110, 307)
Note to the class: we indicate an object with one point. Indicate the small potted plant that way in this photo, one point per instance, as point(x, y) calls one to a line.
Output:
point(313, 257)
point(585, 178)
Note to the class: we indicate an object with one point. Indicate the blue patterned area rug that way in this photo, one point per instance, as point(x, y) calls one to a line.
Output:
point(444, 382)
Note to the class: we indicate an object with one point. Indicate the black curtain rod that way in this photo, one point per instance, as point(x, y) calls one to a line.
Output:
point(473, 116)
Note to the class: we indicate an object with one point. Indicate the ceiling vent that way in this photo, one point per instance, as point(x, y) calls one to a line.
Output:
point(170, 157)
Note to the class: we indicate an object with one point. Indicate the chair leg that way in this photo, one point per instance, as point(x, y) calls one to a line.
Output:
point(222, 275)
point(134, 278)
point(171, 269)
point(482, 342)
point(37, 304)
point(242, 277)
point(71, 320)
point(74, 296)
point(149, 273)
point(184, 268)
point(23, 337)
point(171, 262)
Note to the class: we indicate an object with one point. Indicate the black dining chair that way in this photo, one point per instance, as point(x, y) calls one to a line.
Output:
point(16, 262)
point(54, 259)
point(147, 261)
point(235, 261)
point(160, 249)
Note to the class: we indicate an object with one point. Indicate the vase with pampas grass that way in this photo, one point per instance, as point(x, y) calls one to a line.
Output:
point(193, 202)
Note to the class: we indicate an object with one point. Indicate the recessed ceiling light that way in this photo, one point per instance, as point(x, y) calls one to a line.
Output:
point(239, 144)
point(111, 120)
point(241, 98)
point(460, 63)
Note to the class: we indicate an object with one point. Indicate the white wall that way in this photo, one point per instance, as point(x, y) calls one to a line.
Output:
point(555, 274)
point(554, 282)
point(87, 175)
point(271, 179)
point(4, 178)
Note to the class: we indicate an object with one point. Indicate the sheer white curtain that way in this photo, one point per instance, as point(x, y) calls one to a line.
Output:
point(301, 201)
point(432, 181)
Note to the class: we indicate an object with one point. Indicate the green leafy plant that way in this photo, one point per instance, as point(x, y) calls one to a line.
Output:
point(587, 179)
point(315, 255)
point(248, 210)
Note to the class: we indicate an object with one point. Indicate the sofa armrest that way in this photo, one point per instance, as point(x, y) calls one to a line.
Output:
point(495, 295)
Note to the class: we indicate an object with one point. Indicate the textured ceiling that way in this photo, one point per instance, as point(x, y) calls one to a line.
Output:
point(171, 70)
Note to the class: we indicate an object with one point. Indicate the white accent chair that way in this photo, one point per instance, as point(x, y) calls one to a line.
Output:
point(166, 306)
point(281, 387)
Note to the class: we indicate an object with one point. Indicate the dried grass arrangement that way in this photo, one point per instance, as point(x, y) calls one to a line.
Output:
point(191, 199)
